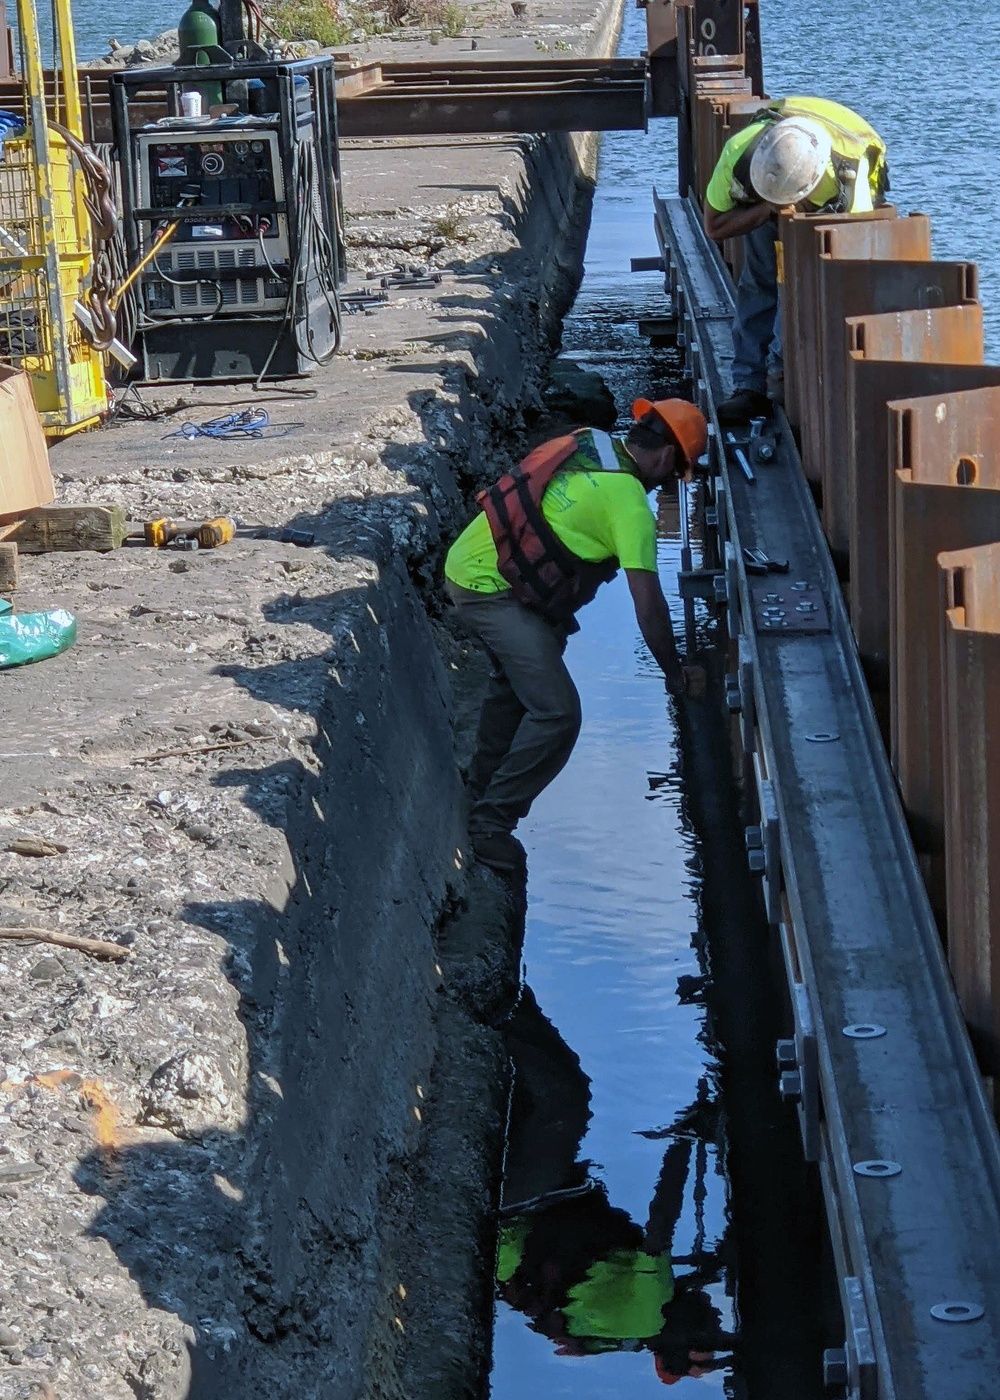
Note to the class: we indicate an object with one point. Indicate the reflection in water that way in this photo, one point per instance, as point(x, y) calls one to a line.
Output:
point(589, 1277)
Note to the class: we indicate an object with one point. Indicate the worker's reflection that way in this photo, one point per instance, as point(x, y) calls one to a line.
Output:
point(583, 1272)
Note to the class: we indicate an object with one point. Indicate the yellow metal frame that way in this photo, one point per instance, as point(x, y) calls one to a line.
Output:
point(42, 203)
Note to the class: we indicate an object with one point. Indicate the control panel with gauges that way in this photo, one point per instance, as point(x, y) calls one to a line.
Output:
point(231, 249)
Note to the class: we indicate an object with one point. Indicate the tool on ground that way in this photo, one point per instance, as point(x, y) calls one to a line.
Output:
point(761, 446)
point(744, 464)
point(209, 534)
point(368, 302)
point(407, 275)
point(757, 562)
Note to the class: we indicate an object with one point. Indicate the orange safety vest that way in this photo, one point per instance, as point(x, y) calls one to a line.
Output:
point(543, 573)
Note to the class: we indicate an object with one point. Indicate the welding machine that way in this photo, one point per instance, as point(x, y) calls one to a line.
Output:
point(233, 219)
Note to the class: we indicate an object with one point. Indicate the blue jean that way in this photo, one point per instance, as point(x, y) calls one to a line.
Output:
point(757, 358)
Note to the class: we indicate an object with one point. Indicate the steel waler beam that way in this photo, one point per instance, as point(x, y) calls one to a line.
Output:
point(946, 496)
point(798, 274)
point(899, 355)
point(970, 582)
point(856, 288)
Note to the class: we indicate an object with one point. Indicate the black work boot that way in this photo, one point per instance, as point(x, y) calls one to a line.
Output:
point(499, 850)
point(741, 406)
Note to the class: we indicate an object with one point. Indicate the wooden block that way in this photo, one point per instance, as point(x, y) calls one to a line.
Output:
point(10, 572)
point(25, 478)
point(54, 528)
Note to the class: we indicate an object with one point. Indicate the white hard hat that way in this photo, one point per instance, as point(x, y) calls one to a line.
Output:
point(790, 160)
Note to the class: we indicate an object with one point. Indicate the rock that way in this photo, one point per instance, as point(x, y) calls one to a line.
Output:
point(47, 969)
point(581, 395)
point(189, 1093)
point(8, 1337)
point(11, 1172)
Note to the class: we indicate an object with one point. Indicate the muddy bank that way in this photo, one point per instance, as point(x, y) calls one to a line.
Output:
point(255, 1156)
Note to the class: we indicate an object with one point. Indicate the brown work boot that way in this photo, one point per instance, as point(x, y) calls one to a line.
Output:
point(741, 406)
point(499, 850)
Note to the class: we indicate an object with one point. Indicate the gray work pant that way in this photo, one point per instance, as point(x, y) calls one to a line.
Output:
point(757, 351)
point(531, 714)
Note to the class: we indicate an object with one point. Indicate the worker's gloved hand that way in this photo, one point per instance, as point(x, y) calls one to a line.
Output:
point(686, 679)
point(695, 681)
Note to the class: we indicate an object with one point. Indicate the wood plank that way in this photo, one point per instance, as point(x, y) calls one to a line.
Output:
point(53, 528)
point(25, 478)
point(10, 571)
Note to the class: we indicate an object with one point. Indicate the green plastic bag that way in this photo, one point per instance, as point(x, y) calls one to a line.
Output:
point(33, 636)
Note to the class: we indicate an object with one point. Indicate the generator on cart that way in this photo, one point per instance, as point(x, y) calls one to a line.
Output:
point(231, 208)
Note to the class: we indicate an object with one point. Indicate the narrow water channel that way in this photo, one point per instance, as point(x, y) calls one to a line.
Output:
point(658, 1227)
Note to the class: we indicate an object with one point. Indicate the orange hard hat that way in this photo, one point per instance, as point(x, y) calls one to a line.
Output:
point(686, 423)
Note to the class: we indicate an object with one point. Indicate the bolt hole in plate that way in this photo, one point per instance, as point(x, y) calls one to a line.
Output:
point(877, 1167)
point(957, 1312)
point(822, 736)
point(864, 1030)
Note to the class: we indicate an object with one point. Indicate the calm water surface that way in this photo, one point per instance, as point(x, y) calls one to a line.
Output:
point(616, 932)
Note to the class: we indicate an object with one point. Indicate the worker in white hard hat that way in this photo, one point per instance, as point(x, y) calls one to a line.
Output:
point(800, 153)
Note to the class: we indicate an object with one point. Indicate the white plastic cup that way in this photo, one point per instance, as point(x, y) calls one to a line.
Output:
point(191, 104)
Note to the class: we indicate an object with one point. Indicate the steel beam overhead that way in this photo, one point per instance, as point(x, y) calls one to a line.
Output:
point(890, 1098)
point(477, 98)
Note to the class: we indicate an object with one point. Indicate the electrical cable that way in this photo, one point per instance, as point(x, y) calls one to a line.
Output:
point(314, 256)
point(250, 423)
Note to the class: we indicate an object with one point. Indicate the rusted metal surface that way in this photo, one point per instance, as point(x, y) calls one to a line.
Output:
point(7, 66)
point(718, 27)
point(798, 273)
point(661, 45)
point(970, 585)
point(901, 355)
point(434, 98)
point(946, 496)
point(478, 98)
point(851, 239)
point(855, 288)
point(970, 594)
point(867, 979)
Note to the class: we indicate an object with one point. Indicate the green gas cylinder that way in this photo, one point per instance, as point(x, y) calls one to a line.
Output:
point(198, 39)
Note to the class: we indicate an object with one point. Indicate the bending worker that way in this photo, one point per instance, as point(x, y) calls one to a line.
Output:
point(801, 153)
point(549, 534)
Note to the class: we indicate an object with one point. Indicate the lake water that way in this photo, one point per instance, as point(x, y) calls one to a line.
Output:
point(922, 72)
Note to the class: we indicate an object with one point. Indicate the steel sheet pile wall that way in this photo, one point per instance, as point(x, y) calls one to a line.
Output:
point(946, 496)
point(970, 581)
point(893, 428)
point(870, 318)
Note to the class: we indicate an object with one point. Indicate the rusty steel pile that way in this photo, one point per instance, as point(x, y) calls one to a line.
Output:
point(865, 684)
point(898, 421)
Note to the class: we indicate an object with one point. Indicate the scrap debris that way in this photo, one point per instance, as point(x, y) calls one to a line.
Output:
point(96, 947)
point(35, 846)
point(204, 748)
